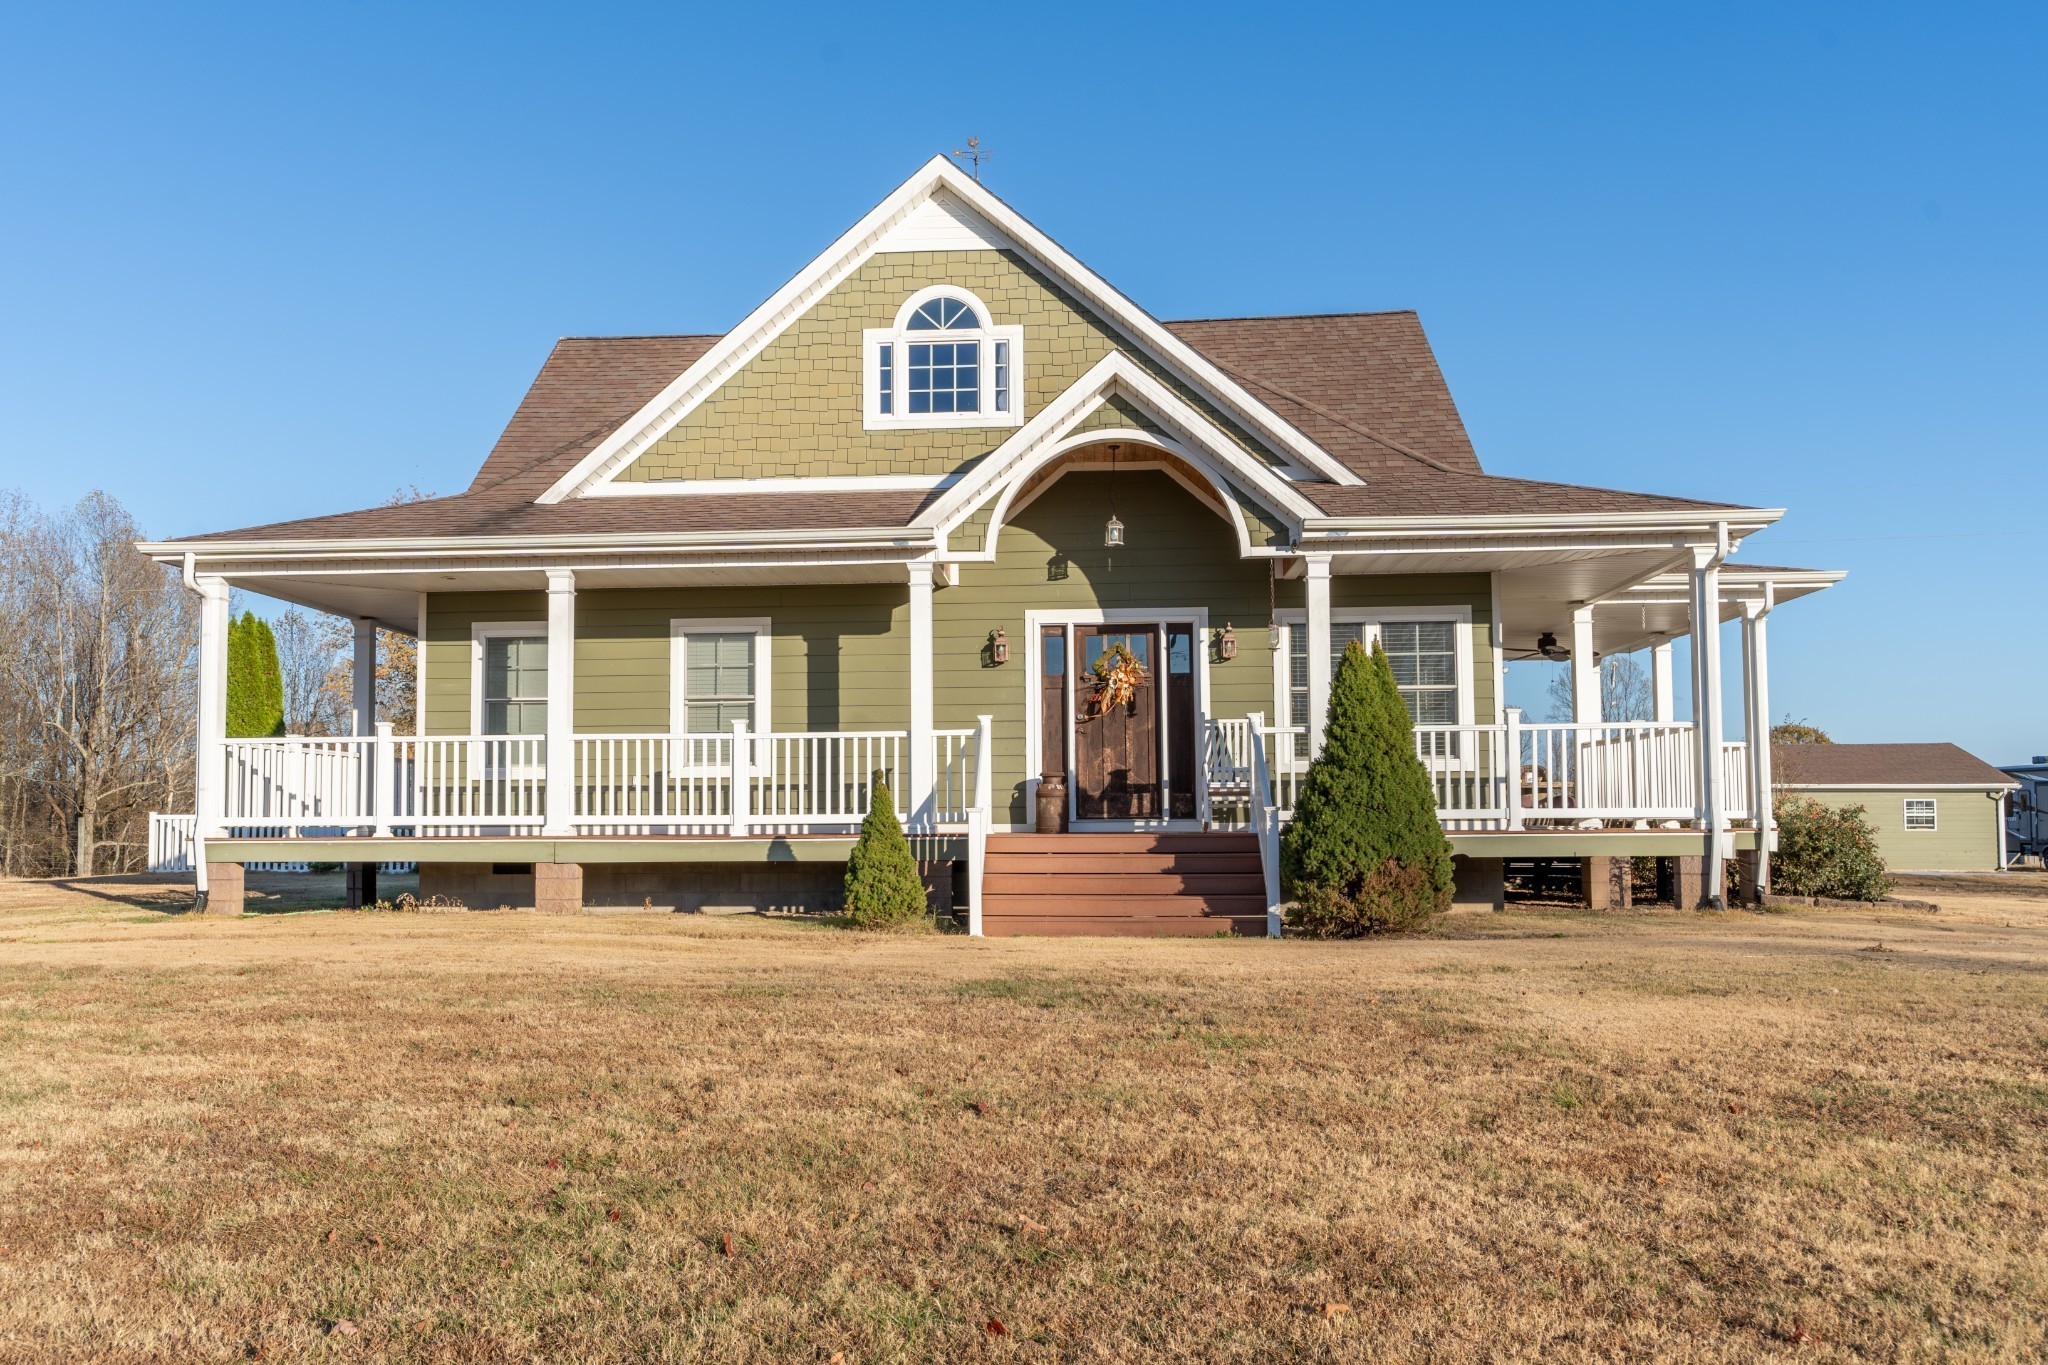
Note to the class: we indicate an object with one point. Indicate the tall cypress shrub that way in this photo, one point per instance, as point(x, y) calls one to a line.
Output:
point(883, 889)
point(255, 681)
point(1365, 853)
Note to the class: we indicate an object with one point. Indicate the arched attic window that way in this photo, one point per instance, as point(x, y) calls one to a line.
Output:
point(943, 364)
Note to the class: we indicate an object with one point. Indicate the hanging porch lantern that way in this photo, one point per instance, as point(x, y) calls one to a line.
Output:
point(1113, 533)
point(1226, 643)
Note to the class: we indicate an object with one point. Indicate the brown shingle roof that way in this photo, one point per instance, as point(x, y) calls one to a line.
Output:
point(1364, 386)
point(1881, 765)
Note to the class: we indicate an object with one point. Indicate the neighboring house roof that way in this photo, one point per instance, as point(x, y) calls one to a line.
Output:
point(1881, 765)
point(1364, 386)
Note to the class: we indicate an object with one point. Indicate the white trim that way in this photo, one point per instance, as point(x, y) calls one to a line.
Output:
point(1906, 815)
point(1034, 723)
point(1051, 434)
point(853, 247)
point(480, 631)
point(763, 630)
point(1897, 786)
point(1290, 619)
point(822, 483)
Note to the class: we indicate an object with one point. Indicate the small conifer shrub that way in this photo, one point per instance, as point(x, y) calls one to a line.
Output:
point(883, 890)
point(255, 701)
point(1365, 853)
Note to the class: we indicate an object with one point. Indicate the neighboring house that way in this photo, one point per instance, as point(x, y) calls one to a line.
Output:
point(1934, 807)
point(706, 588)
point(2026, 811)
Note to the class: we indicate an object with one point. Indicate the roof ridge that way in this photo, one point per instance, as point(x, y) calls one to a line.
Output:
point(640, 336)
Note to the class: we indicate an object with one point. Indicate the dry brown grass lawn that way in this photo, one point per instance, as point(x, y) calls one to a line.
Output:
point(500, 1136)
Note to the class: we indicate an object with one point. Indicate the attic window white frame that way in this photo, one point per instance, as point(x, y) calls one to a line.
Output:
point(898, 338)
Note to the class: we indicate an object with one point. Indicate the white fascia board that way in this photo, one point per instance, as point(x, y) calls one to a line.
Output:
point(848, 253)
point(1741, 521)
point(832, 483)
point(1892, 786)
point(174, 552)
point(1114, 375)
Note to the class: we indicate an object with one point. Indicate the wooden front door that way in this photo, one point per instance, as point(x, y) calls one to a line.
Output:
point(1116, 748)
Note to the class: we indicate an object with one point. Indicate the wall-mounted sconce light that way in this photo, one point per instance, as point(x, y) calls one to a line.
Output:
point(998, 647)
point(1226, 644)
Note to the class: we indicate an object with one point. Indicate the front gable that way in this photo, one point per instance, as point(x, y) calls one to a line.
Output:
point(781, 397)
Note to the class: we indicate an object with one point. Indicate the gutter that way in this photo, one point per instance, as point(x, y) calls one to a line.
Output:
point(907, 537)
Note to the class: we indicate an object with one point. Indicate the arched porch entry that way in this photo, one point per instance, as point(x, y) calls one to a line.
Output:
point(1121, 657)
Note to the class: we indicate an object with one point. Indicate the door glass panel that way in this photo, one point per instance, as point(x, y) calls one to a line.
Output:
point(1180, 650)
point(1055, 653)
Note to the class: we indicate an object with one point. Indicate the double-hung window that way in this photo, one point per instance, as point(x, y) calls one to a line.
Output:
point(1920, 813)
point(720, 675)
point(944, 363)
point(509, 679)
point(1428, 655)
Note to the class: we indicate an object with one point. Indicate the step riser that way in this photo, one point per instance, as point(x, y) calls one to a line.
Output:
point(1122, 843)
point(1124, 907)
point(1045, 926)
point(1121, 864)
point(1140, 884)
point(1126, 884)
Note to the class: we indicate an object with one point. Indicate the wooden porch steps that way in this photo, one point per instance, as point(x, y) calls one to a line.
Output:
point(1123, 884)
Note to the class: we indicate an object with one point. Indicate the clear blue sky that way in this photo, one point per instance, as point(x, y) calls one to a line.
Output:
point(265, 261)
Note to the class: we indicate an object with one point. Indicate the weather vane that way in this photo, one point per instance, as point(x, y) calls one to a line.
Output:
point(973, 154)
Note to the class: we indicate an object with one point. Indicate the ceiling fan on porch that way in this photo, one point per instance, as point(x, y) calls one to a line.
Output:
point(1547, 647)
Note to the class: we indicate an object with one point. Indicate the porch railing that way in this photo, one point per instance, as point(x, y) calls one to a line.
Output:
point(1507, 776)
point(737, 783)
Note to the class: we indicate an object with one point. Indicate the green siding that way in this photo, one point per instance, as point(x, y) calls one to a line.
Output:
point(1965, 837)
point(795, 409)
point(841, 652)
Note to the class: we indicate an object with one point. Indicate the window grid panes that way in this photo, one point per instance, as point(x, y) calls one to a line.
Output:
point(945, 376)
point(885, 380)
point(945, 315)
point(1424, 658)
point(1002, 376)
point(718, 681)
point(515, 690)
point(1919, 813)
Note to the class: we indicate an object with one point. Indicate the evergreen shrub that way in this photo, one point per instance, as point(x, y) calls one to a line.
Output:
point(883, 890)
point(1365, 853)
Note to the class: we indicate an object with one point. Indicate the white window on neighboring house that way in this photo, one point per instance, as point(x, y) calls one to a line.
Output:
point(720, 672)
point(943, 364)
point(1920, 812)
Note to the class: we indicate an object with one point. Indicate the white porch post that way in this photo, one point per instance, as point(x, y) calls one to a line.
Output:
point(365, 689)
point(560, 811)
point(209, 769)
point(1707, 728)
point(1664, 706)
point(1317, 581)
point(1585, 670)
point(920, 798)
point(1756, 725)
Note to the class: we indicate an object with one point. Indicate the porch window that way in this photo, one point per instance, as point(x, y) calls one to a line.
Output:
point(1920, 812)
point(718, 681)
point(515, 685)
point(1427, 661)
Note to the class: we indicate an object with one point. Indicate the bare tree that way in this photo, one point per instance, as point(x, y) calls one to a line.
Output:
point(1625, 692)
point(306, 655)
point(97, 685)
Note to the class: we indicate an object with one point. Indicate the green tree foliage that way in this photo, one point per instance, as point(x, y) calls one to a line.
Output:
point(255, 682)
point(1827, 850)
point(883, 889)
point(1365, 853)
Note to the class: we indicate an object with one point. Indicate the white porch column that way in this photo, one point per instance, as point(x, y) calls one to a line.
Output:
point(209, 765)
point(365, 660)
point(1586, 708)
point(1663, 703)
point(1317, 581)
point(561, 739)
point(1756, 724)
point(923, 773)
point(1707, 728)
